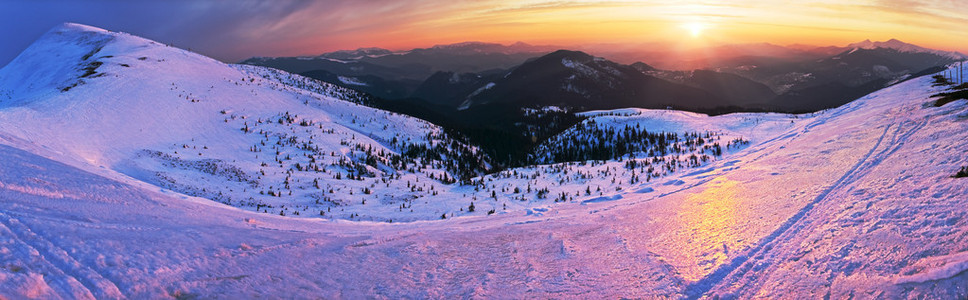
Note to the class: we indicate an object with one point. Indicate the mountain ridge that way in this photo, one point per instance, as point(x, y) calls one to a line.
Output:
point(905, 47)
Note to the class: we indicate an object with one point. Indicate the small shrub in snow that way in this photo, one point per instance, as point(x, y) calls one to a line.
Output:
point(962, 173)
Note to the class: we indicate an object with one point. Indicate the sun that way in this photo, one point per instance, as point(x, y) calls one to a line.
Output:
point(694, 28)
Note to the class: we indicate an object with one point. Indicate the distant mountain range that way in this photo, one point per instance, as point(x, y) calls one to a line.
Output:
point(905, 47)
point(576, 80)
point(397, 74)
point(497, 88)
point(797, 78)
point(724, 55)
point(830, 81)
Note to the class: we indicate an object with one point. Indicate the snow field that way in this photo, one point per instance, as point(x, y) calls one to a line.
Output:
point(856, 201)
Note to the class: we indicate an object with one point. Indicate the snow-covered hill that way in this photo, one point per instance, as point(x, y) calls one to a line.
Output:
point(246, 136)
point(857, 201)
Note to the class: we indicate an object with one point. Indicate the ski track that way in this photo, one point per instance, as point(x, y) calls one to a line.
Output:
point(727, 165)
point(751, 282)
point(91, 284)
point(745, 273)
point(723, 169)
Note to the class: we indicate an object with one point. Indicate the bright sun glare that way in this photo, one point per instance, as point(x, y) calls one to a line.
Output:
point(694, 28)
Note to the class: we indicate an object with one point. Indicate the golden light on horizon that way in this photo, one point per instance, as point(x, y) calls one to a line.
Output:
point(646, 23)
point(695, 28)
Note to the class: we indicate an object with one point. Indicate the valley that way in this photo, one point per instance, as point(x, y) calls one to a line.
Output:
point(489, 104)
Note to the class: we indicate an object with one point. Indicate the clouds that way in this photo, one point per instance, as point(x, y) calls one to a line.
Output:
point(211, 27)
point(227, 30)
point(234, 30)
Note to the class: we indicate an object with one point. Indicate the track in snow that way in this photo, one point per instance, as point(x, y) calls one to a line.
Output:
point(71, 277)
point(742, 274)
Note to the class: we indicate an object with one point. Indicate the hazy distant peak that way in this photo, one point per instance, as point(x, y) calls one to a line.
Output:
point(464, 45)
point(892, 44)
point(485, 47)
point(903, 47)
point(358, 53)
point(371, 49)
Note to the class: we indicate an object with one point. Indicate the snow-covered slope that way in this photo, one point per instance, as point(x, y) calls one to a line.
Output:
point(856, 201)
point(246, 136)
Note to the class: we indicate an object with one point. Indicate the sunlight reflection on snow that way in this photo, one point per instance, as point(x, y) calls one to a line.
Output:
point(709, 219)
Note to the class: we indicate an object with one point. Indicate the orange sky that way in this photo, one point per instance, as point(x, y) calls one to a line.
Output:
point(234, 30)
point(421, 23)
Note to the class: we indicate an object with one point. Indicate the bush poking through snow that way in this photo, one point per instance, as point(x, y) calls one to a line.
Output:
point(962, 173)
point(940, 80)
point(957, 93)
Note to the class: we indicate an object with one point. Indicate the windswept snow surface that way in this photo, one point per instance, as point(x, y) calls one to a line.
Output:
point(856, 201)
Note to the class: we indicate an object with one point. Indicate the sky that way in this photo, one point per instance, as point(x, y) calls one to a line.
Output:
point(234, 30)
